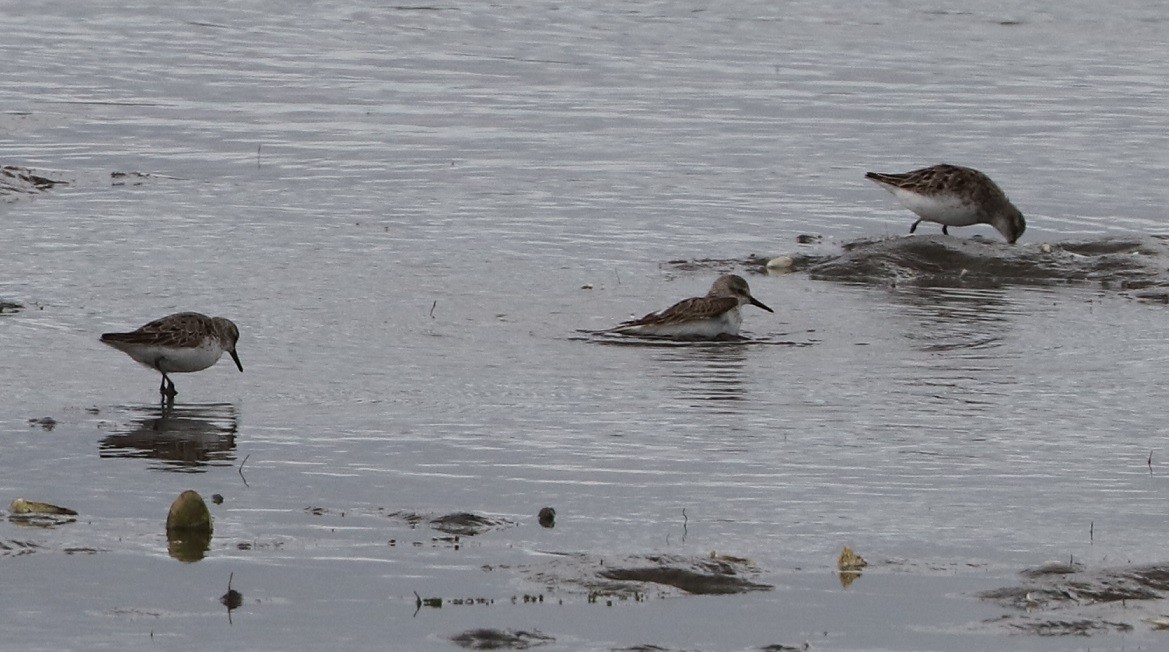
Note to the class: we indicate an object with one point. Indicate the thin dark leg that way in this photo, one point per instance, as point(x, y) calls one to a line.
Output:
point(945, 230)
point(914, 227)
point(167, 388)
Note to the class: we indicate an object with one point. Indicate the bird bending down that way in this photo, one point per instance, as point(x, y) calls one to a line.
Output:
point(954, 196)
point(180, 343)
point(709, 317)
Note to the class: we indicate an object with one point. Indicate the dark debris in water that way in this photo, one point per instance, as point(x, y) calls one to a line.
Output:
point(1084, 627)
point(1124, 264)
point(1060, 599)
point(44, 423)
point(456, 523)
point(17, 181)
point(500, 639)
point(629, 576)
point(467, 524)
point(14, 548)
point(134, 178)
point(620, 339)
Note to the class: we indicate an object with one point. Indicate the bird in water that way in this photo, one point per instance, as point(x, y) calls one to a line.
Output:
point(954, 196)
point(180, 343)
point(712, 316)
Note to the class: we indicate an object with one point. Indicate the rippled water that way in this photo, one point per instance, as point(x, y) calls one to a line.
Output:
point(412, 212)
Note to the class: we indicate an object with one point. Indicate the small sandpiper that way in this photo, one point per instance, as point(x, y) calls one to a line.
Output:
point(709, 317)
point(954, 196)
point(178, 343)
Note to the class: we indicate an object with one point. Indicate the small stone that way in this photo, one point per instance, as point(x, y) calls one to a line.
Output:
point(547, 517)
point(189, 512)
point(780, 263)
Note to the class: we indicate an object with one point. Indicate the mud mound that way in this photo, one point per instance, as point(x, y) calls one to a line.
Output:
point(1065, 599)
point(1138, 264)
point(944, 261)
point(639, 574)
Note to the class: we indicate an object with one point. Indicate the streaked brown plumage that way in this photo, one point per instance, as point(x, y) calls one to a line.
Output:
point(716, 314)
point(952, 195)
point(180, 343)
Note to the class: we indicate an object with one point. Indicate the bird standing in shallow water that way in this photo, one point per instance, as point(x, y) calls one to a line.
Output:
point(714, 315)
point(954, 196)
point(180, 343)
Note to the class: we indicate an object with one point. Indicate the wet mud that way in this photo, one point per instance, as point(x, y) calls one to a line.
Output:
point(1061, 599)
point(456, 523)
point(1136, 265)
point(500, 639)
point(17, 182)
point(634, 576)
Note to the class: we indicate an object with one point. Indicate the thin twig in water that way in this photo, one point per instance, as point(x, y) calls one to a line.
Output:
point(1091, 531)
point(258, 154)
point(1150, 462)
point(241, 469)
point(432, 307)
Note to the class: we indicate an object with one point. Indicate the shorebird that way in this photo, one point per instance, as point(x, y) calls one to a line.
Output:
point(714, 315)
point(954, 196)
point(178, 343)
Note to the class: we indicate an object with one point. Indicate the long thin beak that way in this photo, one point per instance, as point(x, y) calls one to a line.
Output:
point(236, 358)
point(755, 302)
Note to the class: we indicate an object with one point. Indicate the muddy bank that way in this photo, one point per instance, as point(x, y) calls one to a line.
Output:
point(632, 577)
point(1059, 599)
point(1139, 264)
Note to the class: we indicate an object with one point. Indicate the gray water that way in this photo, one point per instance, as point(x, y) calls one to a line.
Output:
point(412, 212)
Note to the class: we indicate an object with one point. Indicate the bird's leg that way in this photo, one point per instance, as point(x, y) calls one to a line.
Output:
point(167, 388)
point(914, 227)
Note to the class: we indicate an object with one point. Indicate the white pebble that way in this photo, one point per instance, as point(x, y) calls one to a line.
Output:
point(780, 263)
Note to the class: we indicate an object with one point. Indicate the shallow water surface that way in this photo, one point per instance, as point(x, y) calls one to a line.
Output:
point(418, 216)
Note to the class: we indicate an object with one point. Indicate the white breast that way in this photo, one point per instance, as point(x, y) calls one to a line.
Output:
point(178, 360)
point(943, 209)
point(727, 323)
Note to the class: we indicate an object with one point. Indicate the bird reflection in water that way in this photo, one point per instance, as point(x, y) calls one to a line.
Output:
point(185, 438)
point(710, 373)
point(963, 319)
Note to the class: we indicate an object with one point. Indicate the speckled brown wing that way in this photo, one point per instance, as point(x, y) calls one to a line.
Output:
point(943, 178)
point(931, 180)
point(182, 330)
point(687, 310)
